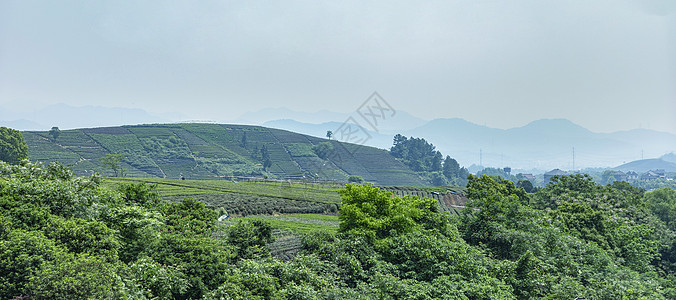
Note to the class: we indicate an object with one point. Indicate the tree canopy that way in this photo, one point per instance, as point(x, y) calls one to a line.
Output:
point(63, 236)
point(422, 157)
point(13, 148)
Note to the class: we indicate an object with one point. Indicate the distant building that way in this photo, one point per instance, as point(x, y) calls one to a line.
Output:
point(552, 173)
point(653, 174)
point(528, 177)
point(632, 176)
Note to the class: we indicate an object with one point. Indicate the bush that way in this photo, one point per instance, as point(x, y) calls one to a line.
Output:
point(355, 179)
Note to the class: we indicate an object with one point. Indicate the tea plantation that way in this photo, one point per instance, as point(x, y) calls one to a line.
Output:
point(214, 151)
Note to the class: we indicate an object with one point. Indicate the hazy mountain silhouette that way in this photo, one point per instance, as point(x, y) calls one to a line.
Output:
point(67, 117)
point(390, 124)
point(542, 144)
point(670, 157)
point(379, 140)
point(645, 165)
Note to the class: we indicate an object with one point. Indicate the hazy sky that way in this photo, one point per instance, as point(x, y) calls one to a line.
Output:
point(605, 65)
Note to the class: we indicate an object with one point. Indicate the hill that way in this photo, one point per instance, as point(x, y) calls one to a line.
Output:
point(645, 165)
point(212, 151)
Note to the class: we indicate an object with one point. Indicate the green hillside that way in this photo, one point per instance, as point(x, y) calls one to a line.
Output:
point(214, 151)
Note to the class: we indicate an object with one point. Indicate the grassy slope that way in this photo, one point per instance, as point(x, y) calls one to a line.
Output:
point(210, 151)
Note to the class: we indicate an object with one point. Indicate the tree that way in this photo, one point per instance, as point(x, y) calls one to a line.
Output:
point(451, 167)
point(329, 134)
point(55, 132)
point(435, 162)
point(265, 156)
point(243, 141)
point(526, 185)
point(112, 161)
point(438, 179)
point(249, 237)
point(367, 211)
point(355, 179)
point(12, 145)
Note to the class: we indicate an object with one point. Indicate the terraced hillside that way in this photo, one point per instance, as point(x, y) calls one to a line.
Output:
point(216, 151)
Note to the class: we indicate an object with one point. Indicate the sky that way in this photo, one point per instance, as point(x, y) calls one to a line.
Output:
point(605, 65)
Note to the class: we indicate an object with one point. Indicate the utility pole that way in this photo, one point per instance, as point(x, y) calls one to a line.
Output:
point(573, 158)
point(641, 154)
point(481, 157)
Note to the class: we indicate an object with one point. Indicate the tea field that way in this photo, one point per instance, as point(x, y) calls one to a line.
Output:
point(198, 151)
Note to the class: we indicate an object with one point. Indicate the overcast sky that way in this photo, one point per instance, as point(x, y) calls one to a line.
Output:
point(605, 65)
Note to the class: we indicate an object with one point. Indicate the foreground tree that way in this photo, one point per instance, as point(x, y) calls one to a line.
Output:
point(12, 145)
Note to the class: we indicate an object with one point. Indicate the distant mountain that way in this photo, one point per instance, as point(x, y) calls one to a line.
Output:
point(670, 157)
point(213, 151)
point(543, 144)
point(67, 117)
point(269, 114)
point(387, 124)
point(645, 165)
point(22, 124)
point(539, 145)
point(379, 140)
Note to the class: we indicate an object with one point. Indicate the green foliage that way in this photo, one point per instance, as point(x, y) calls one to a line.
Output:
point(323, 149)
point(662, 203)
point(13, 148)
point(422, 157)
point(82, 236)
point(300, 150)
point(112, 162)
point(496, 172)
point(417, 153)
point(355, 179)
point(367, 211)
point(190, 217)
point(55, 132)
point(526, 185)
point(580, 238)
point(438, 179)
point(249, 238)
point(22, 254)
point(142, 194)
point(300, 223)
point(655, 184)
point(211, 151)
point(66, 237)
point(159, 281)
point(77, 276)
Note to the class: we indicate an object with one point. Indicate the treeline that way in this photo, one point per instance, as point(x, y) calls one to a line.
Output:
point(422, 157)
point(66, 237)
